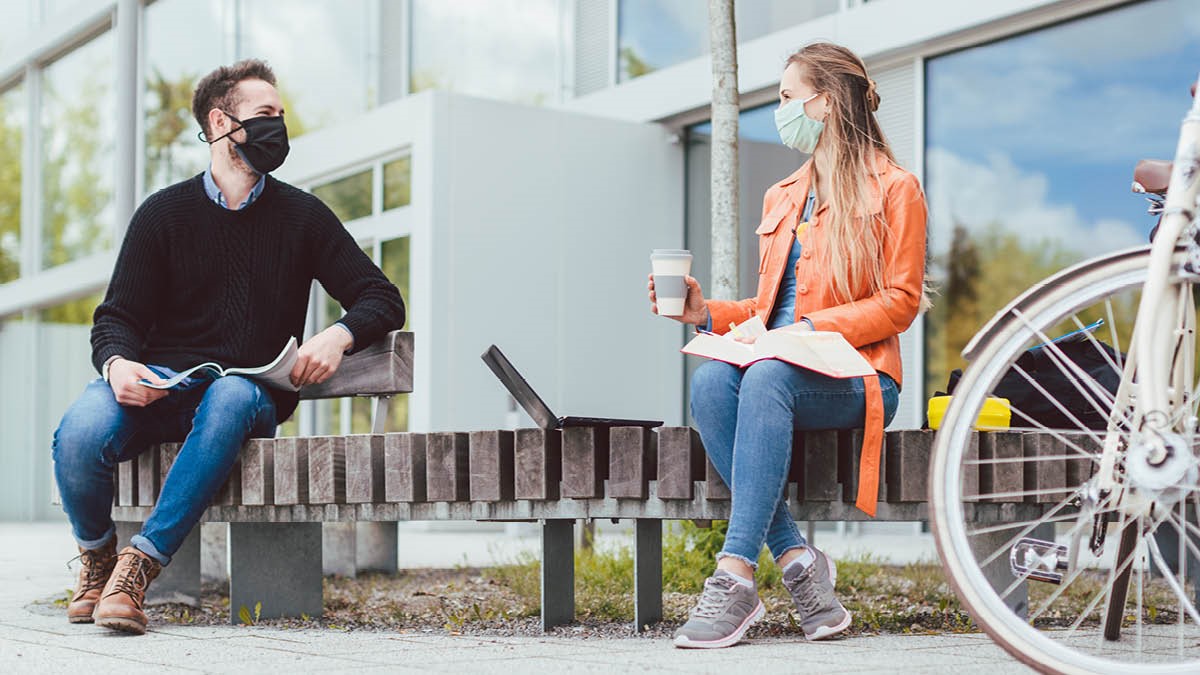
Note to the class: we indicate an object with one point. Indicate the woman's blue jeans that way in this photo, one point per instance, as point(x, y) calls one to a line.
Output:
point(213, 418)
point(746, 418)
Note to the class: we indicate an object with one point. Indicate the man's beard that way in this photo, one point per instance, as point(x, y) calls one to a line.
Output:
point(239, 164)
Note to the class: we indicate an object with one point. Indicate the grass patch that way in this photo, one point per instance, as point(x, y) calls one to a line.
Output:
point(887, 598)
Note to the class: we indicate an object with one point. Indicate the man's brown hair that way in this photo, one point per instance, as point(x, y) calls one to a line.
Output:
point(219, 90)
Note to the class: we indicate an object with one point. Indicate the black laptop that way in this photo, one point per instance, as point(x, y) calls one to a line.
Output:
point(537, 408)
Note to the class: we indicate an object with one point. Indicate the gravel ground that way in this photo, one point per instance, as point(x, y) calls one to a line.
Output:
point(466, 601)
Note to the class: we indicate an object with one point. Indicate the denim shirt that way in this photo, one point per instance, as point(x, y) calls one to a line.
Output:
point(785, 305)
point(214, 193)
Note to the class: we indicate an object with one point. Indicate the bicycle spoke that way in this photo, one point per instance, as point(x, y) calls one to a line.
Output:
point(1105, 592)
point(1139, 571)
point(1022, 578)
point(1014, 494)
point(1039, 458)
point(1169, 577)
point(1071, 370)
point(1066, 584)
point(1112, 333)
point(1055, 433)
point(1008, 526)
point(1024, 532)
point(1096, 344)
point(1057, 404)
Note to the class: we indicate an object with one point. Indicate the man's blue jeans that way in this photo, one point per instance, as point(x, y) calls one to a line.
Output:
point(213, 418)
point(746, 419)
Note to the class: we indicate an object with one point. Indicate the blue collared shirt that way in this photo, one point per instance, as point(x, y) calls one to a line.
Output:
point(214, 193)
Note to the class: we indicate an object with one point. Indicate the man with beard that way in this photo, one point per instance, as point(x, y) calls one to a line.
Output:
point(215, 268)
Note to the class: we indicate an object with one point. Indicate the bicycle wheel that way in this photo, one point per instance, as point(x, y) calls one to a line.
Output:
point(1040, 484)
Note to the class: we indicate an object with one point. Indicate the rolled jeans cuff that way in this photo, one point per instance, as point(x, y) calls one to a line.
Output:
point(724, 554)
point(785, 551)
point(146, 546)
point(92, 545)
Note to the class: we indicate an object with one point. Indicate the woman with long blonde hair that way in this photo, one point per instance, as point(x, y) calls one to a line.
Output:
point(841, 248)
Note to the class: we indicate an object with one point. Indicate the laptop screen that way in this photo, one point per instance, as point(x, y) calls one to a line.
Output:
point(519, 388)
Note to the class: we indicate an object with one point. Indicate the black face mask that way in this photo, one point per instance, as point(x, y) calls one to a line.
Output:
point(266, 144)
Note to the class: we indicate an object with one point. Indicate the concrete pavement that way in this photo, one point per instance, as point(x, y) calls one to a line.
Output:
point(35, 637)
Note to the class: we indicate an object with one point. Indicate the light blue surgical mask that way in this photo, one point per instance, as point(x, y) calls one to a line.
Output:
point(796, 129)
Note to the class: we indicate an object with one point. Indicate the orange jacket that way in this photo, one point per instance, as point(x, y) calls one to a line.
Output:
point(872, 323)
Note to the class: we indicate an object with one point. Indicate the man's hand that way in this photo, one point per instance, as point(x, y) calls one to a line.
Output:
point(320, 356)
point(123, 376)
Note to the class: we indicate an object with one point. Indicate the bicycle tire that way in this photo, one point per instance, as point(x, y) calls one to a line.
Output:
point(990, 355)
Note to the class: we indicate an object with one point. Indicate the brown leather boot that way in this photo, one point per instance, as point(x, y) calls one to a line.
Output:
point(120, 606)
point(95, 567)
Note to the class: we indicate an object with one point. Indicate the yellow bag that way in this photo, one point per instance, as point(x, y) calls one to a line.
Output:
point(995, 413)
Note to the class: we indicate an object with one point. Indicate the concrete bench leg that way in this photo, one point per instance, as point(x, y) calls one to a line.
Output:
point(339, 549)
point(180, 581)
point(377, 547)
point(647, 574)
point(278, 565)
point(558, 573)
point(999, 572)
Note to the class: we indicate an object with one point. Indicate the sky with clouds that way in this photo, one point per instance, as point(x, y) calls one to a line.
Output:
point(1040, 132)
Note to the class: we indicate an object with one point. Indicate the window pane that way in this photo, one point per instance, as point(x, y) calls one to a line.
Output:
point(505, 49)
point(76, 312)
point(654, 34)
point(319, 50)
point(183, 43)
point(77, 152)
point(1030, 148)
point(397, 183)
point(396, 255)
point(12, 114)
point(348, 197)
point(16, 23)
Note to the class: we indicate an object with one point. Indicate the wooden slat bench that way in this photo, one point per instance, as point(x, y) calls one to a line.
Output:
point(283, 489)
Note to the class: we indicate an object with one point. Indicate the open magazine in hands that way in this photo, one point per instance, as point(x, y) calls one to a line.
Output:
point(276, 374)
point(824, 352)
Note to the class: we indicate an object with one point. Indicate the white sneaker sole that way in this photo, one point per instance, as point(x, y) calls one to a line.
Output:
point(683, 642)
point(829, 631)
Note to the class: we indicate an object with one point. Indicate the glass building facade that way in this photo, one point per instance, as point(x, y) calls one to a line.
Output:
point(1024, 127)
point(1030, 144)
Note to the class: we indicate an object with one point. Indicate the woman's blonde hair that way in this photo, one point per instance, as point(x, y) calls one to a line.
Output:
point(855, 141)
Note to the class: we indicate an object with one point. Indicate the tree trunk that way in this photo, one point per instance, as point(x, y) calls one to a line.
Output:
point(724, 185)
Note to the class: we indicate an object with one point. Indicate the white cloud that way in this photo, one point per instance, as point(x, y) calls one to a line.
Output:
point(978, 195)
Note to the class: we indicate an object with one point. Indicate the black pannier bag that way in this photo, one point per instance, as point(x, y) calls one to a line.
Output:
point(1039, 365)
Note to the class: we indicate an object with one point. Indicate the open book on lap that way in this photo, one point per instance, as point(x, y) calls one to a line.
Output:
point(276, 374)
point(824, 352)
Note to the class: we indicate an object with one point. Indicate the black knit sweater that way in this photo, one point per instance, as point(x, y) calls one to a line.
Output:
point(196, 282)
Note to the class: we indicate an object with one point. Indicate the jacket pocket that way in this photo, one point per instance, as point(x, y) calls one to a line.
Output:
point(767, 234)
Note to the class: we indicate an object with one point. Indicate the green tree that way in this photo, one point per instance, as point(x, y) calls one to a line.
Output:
point(168, 121)
point(76, 184)
point(633, 65)
point(11, 138)
point(984, 271)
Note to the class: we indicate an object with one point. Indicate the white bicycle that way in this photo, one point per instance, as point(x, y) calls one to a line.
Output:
point(1089, 569)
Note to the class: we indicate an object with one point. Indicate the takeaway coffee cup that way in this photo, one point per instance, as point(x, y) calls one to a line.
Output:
point(670, 266)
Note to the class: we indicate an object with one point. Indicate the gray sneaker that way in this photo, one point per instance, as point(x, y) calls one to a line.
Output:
point(726, 609)
point(821, 615)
